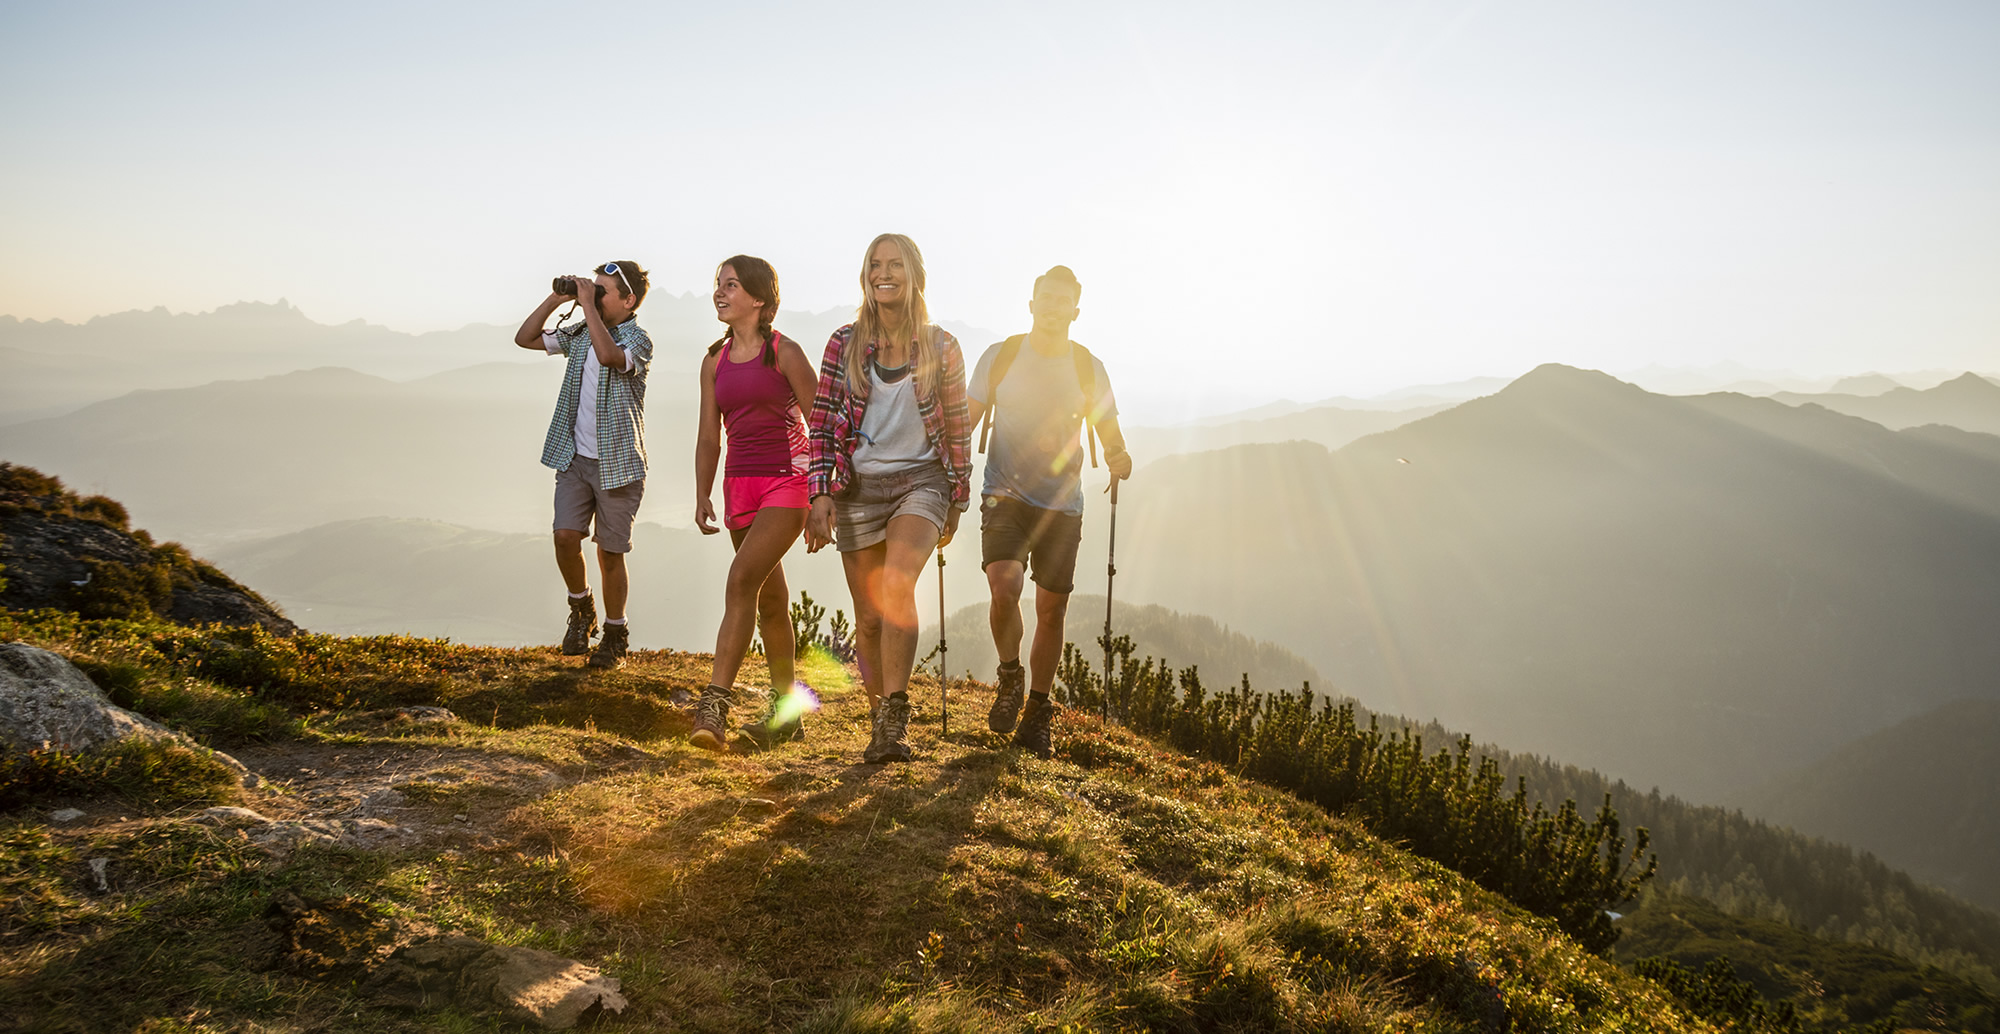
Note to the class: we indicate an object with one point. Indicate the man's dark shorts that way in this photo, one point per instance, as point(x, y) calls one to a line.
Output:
point(1046, 540)
point(578, 500)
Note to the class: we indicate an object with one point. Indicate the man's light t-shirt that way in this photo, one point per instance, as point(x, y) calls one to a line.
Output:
point(1036, 451)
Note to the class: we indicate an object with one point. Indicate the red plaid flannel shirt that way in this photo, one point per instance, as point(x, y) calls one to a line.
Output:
point(836, 420)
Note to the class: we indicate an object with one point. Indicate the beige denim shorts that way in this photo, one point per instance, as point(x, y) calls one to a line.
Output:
point(861, 515)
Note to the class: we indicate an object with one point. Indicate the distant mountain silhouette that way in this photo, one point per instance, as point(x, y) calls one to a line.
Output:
point(55, 367)
point(1864, 384)
point(240, 459)
point(1968, 402)
point(1690, 593)
point(1923, 794)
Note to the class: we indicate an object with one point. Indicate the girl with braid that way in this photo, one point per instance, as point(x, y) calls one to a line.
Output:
point(757, 385)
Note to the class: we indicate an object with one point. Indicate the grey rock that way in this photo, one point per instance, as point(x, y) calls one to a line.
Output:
point(283, 836)
point(46, 703)
point(99, 870)
point(65, 814)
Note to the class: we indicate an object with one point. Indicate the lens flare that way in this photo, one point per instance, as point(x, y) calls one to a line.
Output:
point(795, 704)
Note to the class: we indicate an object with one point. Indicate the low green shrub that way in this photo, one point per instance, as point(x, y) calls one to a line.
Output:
point(147, 773)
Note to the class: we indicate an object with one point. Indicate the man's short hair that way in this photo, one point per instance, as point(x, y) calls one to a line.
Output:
point(1061, 275)
point(632, 273)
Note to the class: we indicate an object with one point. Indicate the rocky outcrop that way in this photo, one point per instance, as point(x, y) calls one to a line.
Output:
point(47, 704)
point(70, 553)
point(415, 966)
point(279, 837)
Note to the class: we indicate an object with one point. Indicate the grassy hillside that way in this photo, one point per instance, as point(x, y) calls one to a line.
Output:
point(1751, 868)
point(1119, 886)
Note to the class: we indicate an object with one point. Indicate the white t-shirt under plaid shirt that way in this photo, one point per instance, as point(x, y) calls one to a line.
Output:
point(600, 413)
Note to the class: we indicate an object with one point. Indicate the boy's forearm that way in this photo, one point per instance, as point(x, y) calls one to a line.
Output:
point(530, 334)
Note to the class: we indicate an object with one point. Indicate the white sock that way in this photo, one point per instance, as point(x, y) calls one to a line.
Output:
point(584, 595)
point(614, 621)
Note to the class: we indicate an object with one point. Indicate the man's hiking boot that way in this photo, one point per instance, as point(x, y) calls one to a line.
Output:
point(770, 728)
point(892, 723)
point(1034, 731)
point(610, 651)
point(582, 625)
point(1008, 688)
point(711, 719)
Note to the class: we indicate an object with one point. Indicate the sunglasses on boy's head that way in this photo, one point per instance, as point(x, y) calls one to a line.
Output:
point(612, 268)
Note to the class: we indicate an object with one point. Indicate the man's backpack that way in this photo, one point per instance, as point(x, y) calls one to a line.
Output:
point(1086, 378)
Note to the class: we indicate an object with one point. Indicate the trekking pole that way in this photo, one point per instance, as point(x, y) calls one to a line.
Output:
point(944, 659)
point(1110, 576)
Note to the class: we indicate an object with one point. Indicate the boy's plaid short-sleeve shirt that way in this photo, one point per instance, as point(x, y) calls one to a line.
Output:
point(621, 406)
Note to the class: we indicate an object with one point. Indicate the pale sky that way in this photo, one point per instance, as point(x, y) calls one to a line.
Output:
point(1262, 200)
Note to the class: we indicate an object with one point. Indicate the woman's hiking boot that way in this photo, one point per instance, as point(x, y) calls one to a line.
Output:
point(772, 727)
point(711, 719)
point(610, 651)
point(1008, 688)
point(892, 723)
point(1034, 731)
point(582, 625)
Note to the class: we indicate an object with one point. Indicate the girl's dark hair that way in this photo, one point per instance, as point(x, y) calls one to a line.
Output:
point(759, 281)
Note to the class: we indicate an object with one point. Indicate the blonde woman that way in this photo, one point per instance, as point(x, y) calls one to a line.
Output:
point(890, 469)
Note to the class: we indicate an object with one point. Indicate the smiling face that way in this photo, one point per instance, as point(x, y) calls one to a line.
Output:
point(732, 302)
point(1054, 304)
point(887, 278)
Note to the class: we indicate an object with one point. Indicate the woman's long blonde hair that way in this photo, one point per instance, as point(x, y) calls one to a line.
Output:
point(869, 325)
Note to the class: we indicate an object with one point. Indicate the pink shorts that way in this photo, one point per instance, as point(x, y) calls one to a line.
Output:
point(743, 497)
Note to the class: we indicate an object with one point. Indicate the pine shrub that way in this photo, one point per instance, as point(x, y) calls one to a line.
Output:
point(1446, 806)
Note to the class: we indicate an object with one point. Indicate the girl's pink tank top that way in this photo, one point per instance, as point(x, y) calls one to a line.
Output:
point(767, 433)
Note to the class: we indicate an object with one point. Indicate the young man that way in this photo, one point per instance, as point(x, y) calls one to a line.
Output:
point(1040, 388)
point(596, 442)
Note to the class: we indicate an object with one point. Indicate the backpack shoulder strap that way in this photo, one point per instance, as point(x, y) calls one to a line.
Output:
point(1086, 378)
point(994, 374)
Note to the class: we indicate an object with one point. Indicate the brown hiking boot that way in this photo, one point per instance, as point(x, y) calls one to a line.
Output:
point(780, 721)
point(711, 720)
point(582, 626)
point(610, 651)
point(1034, 731)
point(892, 723)
point(1008, 688)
